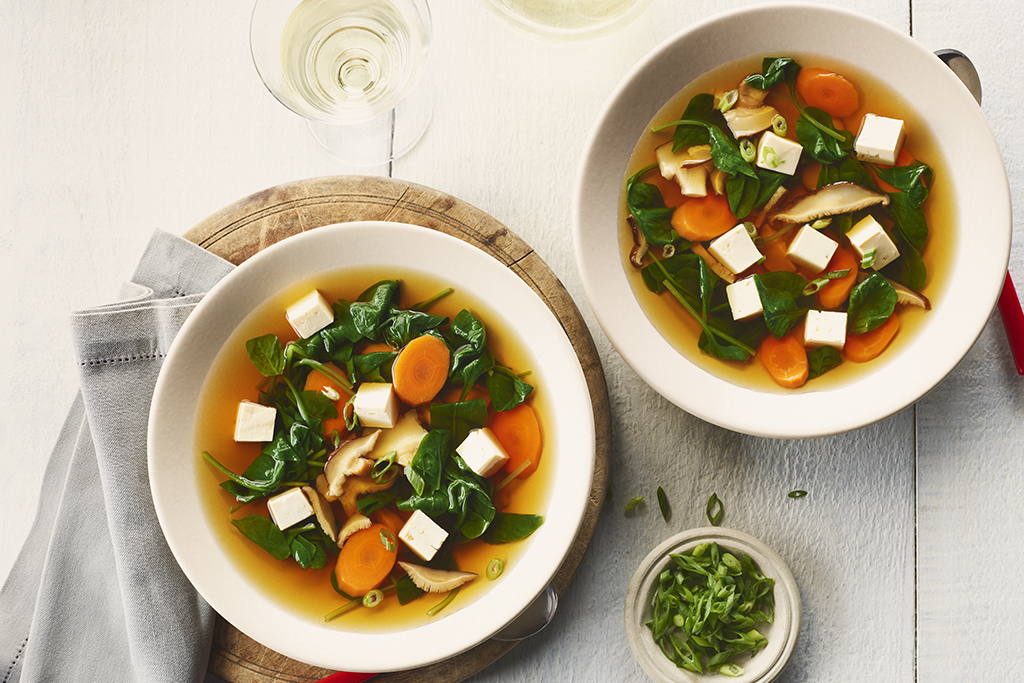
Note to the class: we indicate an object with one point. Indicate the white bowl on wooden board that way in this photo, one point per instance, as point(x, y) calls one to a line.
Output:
point(962, 297)
point(177, 467)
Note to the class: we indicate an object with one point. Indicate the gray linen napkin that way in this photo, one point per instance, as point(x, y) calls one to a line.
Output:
point(95, 594)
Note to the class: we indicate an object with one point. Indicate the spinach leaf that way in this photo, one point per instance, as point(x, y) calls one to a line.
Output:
point(402, 326)
point(700, 108)
point(266, 354)
point(909, 219)
point(469, 496)
point(304, 545)
point(871, 303)
point(459, 418)
point(506, 389)
point(823, 359)
point(782, 299)
point(820, 138)
point(509, 526)
point(911, 268)
point(362, 319)
point(914, 179)
point(742, 192)
point(430, 460)
point(471, 358)
point(647, 206)
point(774, 70)
point(375, 365)
point(407, 591)
point(849, 169)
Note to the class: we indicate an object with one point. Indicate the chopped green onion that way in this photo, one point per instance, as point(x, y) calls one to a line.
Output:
point(821, 223)
point(779, 125)
point(869, 258)
point(494, 568)
point(797, 494)
point(373, 598)
point(751, 229)
point(814, 285)
point(349, 413)
point(668, 251)
point(387, 539)
point(666, 509)
point(385, 468)
point(731, 670)
point(633, 503)
point(728, 100)
point(771, 157)
point(714, 515)
point(747, 150)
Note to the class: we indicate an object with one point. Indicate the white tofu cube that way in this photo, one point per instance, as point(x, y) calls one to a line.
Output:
point(254, 422)
point(825, 328)
point(376, 405)
point(868, 235)
point(744, 299)
point(310, 314)
point(422, 535)
point(289, 508)
point(735, 249)
point(811, 250)
point(879, 140)
point(482, 452)
point(778, 154)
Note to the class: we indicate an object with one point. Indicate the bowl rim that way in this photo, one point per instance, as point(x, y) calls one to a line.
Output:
point(599, 181)
point(788, 607)
point(179, 509)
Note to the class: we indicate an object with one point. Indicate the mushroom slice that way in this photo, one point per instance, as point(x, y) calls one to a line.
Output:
point(830, 200)
point(718, 177)
point(347, 461)
point(688, 167)
point(749, 96)
point(716, 266)
point(904, 295)
point(744, 121)
point(354, 523)
point(404, 438)
point(435, 580)
point(359, 486)
point(322, 510)
point(639, 250)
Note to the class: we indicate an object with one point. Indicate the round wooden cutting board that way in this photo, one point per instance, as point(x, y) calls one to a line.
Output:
point(238, 231)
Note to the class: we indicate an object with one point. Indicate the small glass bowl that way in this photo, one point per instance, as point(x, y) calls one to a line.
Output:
point(782, 634)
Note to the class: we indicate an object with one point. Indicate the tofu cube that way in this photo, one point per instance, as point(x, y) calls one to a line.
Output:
point(735, 249)
point(422, 535)
point(744, 299)
point(482, 452)
point(254, 422)
point(289, 508)
point(811, 250)
point(825, 328)
point(310, 314)
point(868, 235)
point(879, 140)
point(778, 154)
point(376, 405)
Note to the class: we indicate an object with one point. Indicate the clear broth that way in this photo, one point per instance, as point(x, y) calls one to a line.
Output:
point(308, 593)
point(676, 325)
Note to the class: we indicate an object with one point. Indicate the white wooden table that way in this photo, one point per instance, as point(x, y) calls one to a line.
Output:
point(128, 115)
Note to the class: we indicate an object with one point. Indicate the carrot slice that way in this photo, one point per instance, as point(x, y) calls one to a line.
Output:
point(317, 381)
point(421, 369)
point(834, 293)
point(518, 432)
point(827, 91)
point(389, 518)
point(775, 252)
point(366, 559)
point(785, 359)
point(861, 348)
point(700, 219)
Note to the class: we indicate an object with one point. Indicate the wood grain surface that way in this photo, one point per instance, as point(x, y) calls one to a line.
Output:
point(265, 218)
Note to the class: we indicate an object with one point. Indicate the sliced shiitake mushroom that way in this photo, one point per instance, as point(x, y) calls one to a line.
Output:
point(688, 167)
point(749, 96)
point(435, 580)
point(322, 510)
point(747, 121)
point(716, 266)
point(830, 200)
point(348, 461)
point(355, 522)
point(639, 250)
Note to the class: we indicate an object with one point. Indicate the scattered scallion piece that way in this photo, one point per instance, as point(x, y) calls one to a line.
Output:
point(633, 503)
point(714, 510)
point(728, 100)
point(779, 125)
point(373, 598)
point(707, 608)
point(494, 568)
point(666, 509)
point(797, 494)
point(747, 150)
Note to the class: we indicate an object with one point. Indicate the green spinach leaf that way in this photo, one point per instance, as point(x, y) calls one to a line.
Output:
point(820, 138)
point(508, 527)
point(774, 70)
point(823, 359)
point(914, 179)
point(647, 206)
point(871, 303)
point(782, 299)
point(266, 354)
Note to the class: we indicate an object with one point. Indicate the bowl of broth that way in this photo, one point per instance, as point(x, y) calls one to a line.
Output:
point(395, 282)
point(711, 289)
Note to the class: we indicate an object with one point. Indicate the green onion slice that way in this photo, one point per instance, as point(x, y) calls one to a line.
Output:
point(714, 510)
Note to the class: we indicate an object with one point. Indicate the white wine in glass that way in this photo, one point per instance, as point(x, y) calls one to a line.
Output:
point(352, 68)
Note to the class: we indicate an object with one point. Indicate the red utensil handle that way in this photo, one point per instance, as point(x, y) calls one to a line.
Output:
point(1013, 321)
point(346, 677)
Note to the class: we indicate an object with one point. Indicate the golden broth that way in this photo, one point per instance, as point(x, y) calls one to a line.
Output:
point(233, 378)
point(682, 331)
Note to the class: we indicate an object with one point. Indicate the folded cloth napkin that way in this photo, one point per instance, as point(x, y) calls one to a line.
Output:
point(95, 594)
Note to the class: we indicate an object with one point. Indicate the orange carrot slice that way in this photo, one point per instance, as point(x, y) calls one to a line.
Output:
point(388, 518)
point(785, 359)
point(861, 348)
point(421, 369)
point(518, 432)
point(317, 381)
point(366, 559)
point(834, 293)
point(700, 219)
point(827, 91)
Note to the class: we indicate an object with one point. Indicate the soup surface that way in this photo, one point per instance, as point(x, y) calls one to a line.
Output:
point(680, 329)
point(308, 592)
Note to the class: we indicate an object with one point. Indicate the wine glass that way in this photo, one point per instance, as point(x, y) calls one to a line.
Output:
point(568, 20)
point(352, 68)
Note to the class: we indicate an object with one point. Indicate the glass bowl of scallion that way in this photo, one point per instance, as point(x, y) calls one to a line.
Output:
point(712, 602)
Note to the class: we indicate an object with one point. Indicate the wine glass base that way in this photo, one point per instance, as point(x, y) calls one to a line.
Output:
point(383, 138)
